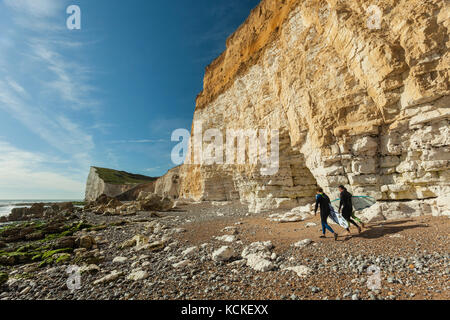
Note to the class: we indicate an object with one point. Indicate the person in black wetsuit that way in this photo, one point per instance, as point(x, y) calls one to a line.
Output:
point(346, 207)
point(324, 202)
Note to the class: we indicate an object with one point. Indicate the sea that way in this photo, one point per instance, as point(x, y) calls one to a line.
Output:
point(7, 205)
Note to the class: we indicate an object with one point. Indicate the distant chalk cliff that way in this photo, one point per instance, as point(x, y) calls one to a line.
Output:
point(112, 182)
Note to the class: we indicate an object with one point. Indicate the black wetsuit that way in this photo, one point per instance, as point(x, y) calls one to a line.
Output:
point(324, 202)
point(347, 207)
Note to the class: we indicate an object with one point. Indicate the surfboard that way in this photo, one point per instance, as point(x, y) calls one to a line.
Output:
point(338, 218)
point(359, 202)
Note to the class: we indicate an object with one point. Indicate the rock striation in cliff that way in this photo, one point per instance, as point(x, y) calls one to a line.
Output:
point(356, 103)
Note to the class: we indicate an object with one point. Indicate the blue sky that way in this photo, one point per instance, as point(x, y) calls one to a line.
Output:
point(107, 95)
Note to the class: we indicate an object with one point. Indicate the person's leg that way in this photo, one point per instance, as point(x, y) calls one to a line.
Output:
point(355, 224)
point(328, 227)
point(357, 219)
point(350, 220)
point(346, 216)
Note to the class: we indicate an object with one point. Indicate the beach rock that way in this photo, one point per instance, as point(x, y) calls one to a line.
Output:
point(153, 246)
point(65, 242)
point(89, 257)
point(301, 271)
point(189, 252)
point(136, 241)
point(36, 210)
point(291, 216)
point(113, 276)
point(154, 202)
point(120, 260)
point(181, 264)
point(303, 243)
point(86, 242)
point(263, 249)
point(258, 263)
point(223, 254)
point(18, 214)
point(227, 238)
point(90, 269)
point(137, 275)
point(259, 255)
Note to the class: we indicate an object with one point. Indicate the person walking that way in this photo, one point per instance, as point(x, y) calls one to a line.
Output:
point(346, 208)
point(323, 201)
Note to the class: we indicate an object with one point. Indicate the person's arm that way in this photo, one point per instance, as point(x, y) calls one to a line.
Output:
point(341, 203)
point(317, 205)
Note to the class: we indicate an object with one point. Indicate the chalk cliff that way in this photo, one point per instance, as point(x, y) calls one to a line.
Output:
point(355, 105)
point(114, 183)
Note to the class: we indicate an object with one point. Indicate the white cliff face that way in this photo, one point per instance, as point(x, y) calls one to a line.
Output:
point(168, 185)
point(365, 108)
point(95, 187)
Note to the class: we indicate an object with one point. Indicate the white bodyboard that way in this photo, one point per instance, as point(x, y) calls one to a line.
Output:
point(338, 218)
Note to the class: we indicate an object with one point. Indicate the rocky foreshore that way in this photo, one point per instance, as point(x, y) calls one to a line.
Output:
point(218, 251)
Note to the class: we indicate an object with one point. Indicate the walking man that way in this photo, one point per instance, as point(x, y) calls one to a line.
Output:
point(346, 206)
point(324, 202)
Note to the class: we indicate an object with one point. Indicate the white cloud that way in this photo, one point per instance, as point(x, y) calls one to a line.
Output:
point(154, 169)
point(27, 175)
point(36, 8)
point(17, 87)
point(58, 131)
point(69, 78)
point(44, 89)
point(139, 141)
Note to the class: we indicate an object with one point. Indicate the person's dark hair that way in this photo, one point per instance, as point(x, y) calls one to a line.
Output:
point(320, 190)
point(342, 187)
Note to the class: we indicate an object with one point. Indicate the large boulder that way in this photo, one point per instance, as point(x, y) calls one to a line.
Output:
point(18, 214)
point(65, 242)
point(223, 254)
point(153, 202)
point(59, 209)
point(104, 205)
point(259, 256)
point(25, 214)
point(36, 210)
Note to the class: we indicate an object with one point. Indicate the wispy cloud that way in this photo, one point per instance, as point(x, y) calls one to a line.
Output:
point(47, 89)
point(69, 79)
point(139, 141)
point(57, 130)
point(32, 176)
point(36, 8)
point(153, 170)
